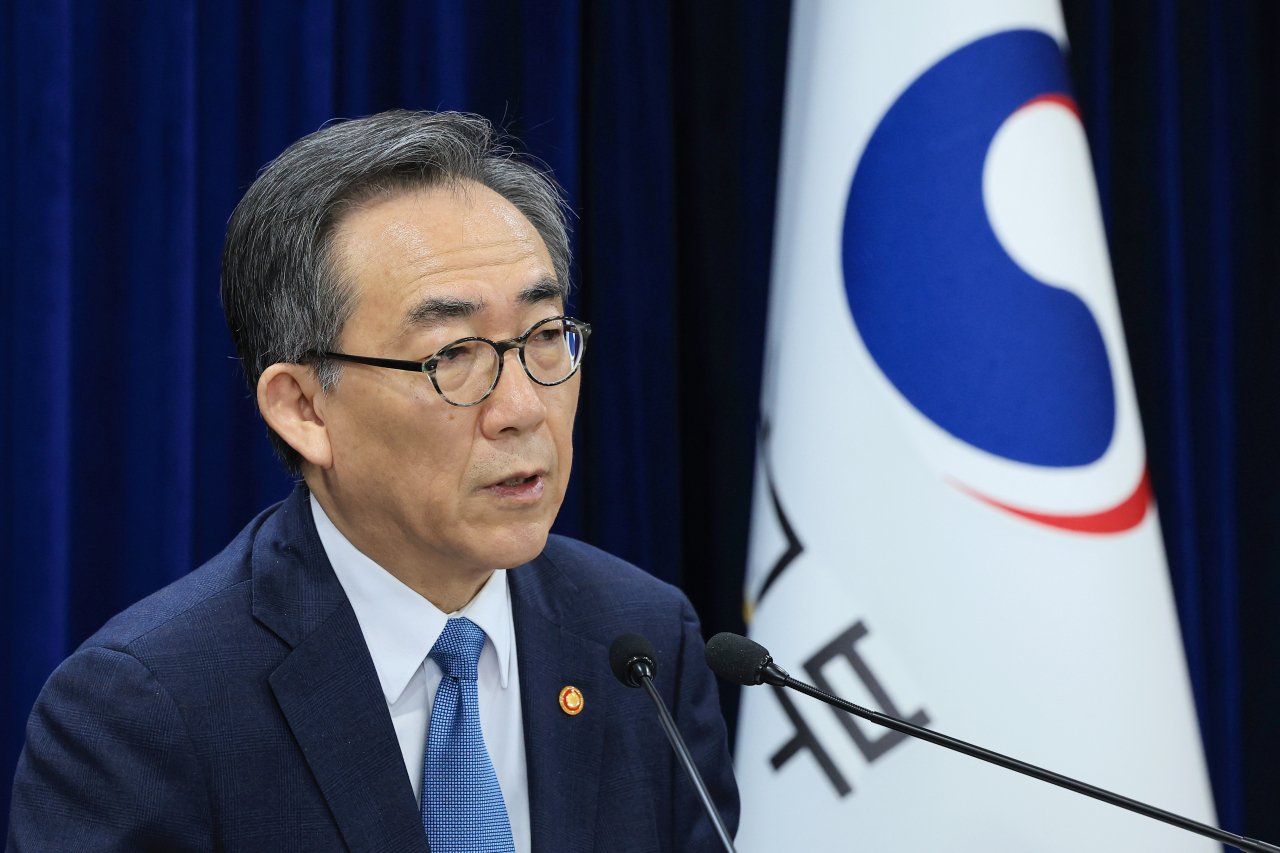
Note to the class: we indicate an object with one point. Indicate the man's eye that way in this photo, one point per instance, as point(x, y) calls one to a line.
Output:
point(548, 335)
point(452, 353)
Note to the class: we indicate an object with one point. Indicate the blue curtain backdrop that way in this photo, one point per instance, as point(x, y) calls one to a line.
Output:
point(1179, 97)
point(131, 449)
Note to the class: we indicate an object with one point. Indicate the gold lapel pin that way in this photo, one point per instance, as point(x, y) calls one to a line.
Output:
point(571, 700)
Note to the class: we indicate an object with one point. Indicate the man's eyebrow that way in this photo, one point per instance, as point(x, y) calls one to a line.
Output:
point(544, 290)
point(435, 310)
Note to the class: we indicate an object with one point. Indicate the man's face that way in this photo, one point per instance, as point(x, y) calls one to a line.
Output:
point(463, 489)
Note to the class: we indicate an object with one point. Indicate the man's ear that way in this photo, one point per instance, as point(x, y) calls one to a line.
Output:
point(292, 404)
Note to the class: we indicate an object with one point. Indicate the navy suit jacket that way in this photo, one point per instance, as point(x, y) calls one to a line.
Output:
point(238, 709)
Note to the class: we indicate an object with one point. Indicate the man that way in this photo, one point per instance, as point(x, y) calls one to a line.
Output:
point(398, 656)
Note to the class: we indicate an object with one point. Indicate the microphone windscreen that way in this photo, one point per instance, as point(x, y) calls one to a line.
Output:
point(735, 658)
point(626, 650)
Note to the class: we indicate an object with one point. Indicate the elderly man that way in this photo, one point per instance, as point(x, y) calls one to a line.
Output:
point(398, 656)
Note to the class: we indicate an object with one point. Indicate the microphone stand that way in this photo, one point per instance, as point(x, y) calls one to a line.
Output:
point(641, 673)
point(777, 676)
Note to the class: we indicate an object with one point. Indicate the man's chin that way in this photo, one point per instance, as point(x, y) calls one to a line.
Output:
point(508, 548)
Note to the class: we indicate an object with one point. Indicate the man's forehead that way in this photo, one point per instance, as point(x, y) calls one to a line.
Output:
point(439, 228)
point(433, 255)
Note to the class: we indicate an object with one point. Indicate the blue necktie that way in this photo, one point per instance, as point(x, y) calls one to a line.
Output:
point(462, 806)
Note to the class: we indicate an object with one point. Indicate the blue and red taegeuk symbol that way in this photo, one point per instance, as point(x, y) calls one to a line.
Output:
point(976, 344)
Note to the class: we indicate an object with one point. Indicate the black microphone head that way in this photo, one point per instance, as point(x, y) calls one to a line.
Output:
point(735, 658)
point(629, 649)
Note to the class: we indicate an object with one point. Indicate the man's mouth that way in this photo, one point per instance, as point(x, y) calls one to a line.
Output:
point(520, 487)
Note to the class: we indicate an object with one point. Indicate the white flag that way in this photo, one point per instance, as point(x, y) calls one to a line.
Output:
point(952, 520)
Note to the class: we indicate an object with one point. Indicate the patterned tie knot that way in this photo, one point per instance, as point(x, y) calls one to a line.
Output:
point(458, 650)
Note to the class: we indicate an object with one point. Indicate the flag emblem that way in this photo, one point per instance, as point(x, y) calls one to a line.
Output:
point(994, 336)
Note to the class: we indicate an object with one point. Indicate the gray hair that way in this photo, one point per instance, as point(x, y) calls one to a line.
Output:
point(282, 292)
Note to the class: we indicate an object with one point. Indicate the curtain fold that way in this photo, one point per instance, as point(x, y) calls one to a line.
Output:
point(1170, 90)
point(37, 387)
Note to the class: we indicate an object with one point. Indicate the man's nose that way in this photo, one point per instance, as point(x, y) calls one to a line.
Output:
point(515, 403)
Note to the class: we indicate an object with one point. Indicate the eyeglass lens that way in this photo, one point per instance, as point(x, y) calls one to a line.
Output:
point(466, 371)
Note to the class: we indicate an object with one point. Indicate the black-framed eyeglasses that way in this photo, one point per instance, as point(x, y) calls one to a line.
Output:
point(466, 371)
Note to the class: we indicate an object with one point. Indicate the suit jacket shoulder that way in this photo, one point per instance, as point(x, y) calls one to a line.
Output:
point(590, 586)
point(230, 568)
point(235, 709)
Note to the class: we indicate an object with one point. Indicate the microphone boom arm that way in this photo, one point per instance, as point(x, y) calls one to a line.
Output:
point(686, 761)
point(773, 674)
point(634, 663)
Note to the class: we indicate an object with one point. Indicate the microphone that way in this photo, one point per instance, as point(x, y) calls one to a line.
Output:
point(633, 661)
point(742, 661)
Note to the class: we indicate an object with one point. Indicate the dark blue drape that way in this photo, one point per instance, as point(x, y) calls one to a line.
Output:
point(131, 448)
point(132, 451)
point(1179, 98)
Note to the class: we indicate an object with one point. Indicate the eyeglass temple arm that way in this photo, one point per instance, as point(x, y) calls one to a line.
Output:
point(393, 363)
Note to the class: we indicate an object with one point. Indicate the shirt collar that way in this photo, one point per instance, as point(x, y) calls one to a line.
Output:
point(399, 625)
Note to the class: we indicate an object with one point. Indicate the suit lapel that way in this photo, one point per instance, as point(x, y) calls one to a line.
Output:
point(330, 695)
point(562, 751)
point(328, 689)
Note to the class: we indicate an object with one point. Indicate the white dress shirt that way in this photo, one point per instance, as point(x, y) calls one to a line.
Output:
point(400, 627)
